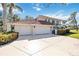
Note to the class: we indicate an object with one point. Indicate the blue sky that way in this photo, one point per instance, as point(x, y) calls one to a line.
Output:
point(30, 10)
point(38, 9)
point(56, 10)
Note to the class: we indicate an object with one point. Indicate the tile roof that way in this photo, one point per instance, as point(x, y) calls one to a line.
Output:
point(32, 22)
point(45, 17)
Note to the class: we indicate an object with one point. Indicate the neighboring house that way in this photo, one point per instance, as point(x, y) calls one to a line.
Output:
point(41, 25)
point(29, 18)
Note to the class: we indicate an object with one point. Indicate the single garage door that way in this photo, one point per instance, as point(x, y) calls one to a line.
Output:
point(23, 29)
point(42, 30)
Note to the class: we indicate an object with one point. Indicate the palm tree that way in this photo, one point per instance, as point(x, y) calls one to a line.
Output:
point(72, 21)
point(4, 16)
point(4, 13)
point(13, 6)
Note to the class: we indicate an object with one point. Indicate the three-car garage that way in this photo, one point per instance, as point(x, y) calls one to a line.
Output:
point(32, 29)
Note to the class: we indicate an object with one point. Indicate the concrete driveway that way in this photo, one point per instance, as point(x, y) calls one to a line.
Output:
point(41, 45)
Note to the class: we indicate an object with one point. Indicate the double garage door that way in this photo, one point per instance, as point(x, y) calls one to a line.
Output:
point(32, 30)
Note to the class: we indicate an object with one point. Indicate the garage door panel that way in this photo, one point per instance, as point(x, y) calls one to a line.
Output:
point(42, 30)
point(23, 30)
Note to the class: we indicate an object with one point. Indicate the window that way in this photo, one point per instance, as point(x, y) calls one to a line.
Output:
point(53, 22)
point(50, 20)
point(47, 20)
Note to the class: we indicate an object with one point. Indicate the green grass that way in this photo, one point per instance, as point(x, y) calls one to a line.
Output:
point(73, 34)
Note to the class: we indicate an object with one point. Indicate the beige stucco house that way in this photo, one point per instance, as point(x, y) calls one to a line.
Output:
point(40, 25)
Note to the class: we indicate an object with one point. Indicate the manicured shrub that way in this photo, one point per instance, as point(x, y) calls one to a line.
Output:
point(8, 37)
point(61, 31)
point(67, 30)
point(1, 23)
point(4, 38)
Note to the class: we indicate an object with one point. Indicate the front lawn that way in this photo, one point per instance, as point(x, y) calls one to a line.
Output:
point(73, 34)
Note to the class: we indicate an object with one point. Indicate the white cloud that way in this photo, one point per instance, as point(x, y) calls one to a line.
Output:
point(1, 8)
point(59, 15)
point(59, 12)
point(77, 17)
point(37, 8)
point(37, 5)
point(16, 11)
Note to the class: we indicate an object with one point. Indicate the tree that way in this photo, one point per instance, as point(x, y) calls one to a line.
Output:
point(29, 18)
point(72, 20)
point(16, 17)
point(5, 7)
point(11, 7)
point(4, 16)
